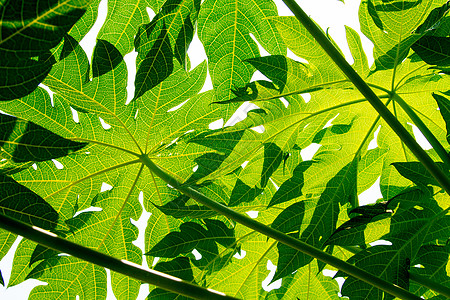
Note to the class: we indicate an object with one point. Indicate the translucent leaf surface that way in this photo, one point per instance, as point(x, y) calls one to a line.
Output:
point(73, 151)
point(29, 29)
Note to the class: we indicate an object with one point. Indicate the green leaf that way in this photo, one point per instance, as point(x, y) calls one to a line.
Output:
point(444, 109)
point(392, 262)
point(433, 18)
point(224, 29)
point(391, 26)
point(29, 30)
point(243, 193)
point(167, 36)
point(193, 236)
point(177, 208)
point(267, 170)
point(433, 50)
point(275, 66)
point(432, 264)
point(23, 204)
point(339, 190)
point(42, 253)
point(6, 241)
point(360, 64)
point(122, 22)
point(183, 41)
point(290, 218)
point(24, 141)
point(416, 172)
point(291, 188)
point(352, 232)
point(178, 267)
point(306, 283)
point(156, 65)
point(76, 277)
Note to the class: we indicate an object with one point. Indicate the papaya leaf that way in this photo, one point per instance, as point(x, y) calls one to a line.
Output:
point(29, 30)
point(23, 204)
point(224, 19)
point(394, 261)
point(74, 150)
point(306, 283)
point(416, 172)
point(178, 267)
point(25, 141)
point(79, 274)
point(290, 218)
point(432, 263)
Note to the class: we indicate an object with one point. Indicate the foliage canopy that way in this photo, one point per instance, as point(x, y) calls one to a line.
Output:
point(56, 102)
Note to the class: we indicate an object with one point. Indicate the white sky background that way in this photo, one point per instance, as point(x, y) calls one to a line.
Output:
point(331, 14)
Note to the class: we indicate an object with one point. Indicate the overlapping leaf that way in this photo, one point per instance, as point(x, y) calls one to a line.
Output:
point(306, 283)
point(418, 220)
point(247, 169)
point(29, 29)
point(391, 27)
point(224, 29)
point(166, 37)
point(76, 185)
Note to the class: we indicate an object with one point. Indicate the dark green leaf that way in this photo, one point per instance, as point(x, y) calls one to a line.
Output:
point(19, 78)
point(178, 208)
point(416, 172)
point(26, 141)
point(42, 253)
point(431, 262)
point(433, 18)
point(434, 50)
point(291, 188)
point(220, 232)
point(444, 109)
point(339, 190)
point(418, 220)
point(275, 66)
point(351, 232)
point(21, 203)
point(273, 157)
point(30, 29)
point(290, 219)
point(183, 41)
point(156, 66)
point(181, 242)
point(106, 58)
point(179, 267)
point(243, 193)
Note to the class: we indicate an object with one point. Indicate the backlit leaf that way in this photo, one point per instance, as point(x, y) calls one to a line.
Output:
point(29, 29)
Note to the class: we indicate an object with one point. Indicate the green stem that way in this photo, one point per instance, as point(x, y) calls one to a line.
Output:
point(421, 280)
point(432, 285)
point(368, 93)
point(278, 235)
point(164, 281)
point(437, 146)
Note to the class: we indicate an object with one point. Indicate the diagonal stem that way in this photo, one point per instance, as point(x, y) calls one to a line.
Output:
point(437, 146)
point(278, 235)
point(369, 94)
point(162, 280)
